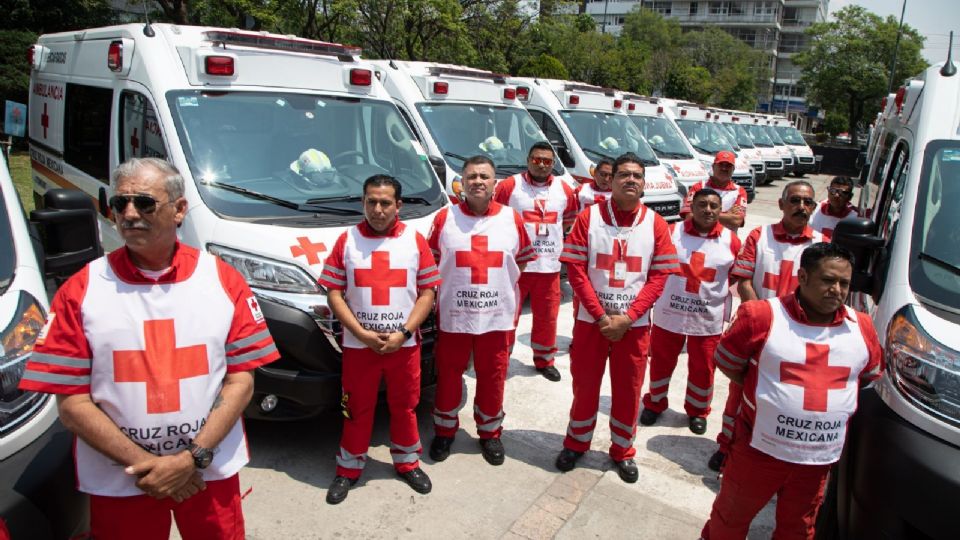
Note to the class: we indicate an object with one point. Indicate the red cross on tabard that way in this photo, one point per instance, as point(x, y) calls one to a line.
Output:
point(307, 248)
point(161, 365)
point(696, 272)
point(45, 120)
point(816, 376)
point(380, 278)
point(606, 262)
point(783, 283)
point(479, 259)
point(539, 215)
point(134, 141)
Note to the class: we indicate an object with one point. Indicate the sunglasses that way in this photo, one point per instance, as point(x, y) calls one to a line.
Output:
point(797, 200)
point(604, 175)
point(627, 174)
point(840, 192)
point(145, 204)
point(542, 161)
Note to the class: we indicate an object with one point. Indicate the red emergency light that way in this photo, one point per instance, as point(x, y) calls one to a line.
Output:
point(219, 65)
point(898, 99)
point(441, 87)
point(30, 53)
point(617, 103)
point(574, 99)
point(735, 119)
point(883, 104)
point(361, 77)
point(115, 56)
point(683, 112)
point(523, 93)
point(631, 106)
point(660, 109)
point(509, 93)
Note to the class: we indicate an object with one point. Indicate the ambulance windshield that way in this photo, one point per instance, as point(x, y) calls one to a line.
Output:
point(741, 134)
point(760, 137)
point(662, 136)
point(772, 133)
point(503, 134)
point(286, 155)
point(790, 135)
point(607, 135)
point(934, 258)
point(706, 137)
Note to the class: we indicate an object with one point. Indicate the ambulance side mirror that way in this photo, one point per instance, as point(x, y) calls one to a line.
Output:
point(68, 226)
point(440, 167)
point(859, 236)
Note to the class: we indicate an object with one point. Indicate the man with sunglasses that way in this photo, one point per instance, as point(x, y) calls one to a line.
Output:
point(733, 198)
point(481, 247)
point(380, 278)
point(150, 349)
point(766, 268)
point(835, 208)
point(618, 256)
point(548, 207)
point(598, 190)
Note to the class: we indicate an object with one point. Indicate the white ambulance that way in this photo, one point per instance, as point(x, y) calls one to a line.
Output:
point(738, 132)
point(783, 150)
point(274, 135)
point(899, 477)
point(804, 160)
point(772, 159)
point(459, 112)
point(586, 123)
point(708, 137)
point(666, 139)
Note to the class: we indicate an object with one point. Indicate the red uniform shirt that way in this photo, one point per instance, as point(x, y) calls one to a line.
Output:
point(501, 194)
point(731, 195)
point(746, 261)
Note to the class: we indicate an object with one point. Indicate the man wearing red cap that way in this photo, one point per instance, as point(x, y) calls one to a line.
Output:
point(836, 208)
point(767, 268)
point(733, 198)
point(548, 207)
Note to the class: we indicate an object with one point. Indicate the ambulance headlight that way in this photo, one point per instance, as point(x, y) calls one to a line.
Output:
point(925, 371)
point(16, 344)
point(265, 273)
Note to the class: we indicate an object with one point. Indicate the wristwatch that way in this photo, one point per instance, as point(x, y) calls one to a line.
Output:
point(407, 334)
point(202, 457)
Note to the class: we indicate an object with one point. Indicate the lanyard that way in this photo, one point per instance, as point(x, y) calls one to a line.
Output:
point(613, 218)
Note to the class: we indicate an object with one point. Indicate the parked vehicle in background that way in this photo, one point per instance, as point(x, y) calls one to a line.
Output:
point(761, 139)
point(804, 160)
point(708, 137)
point(739, 134)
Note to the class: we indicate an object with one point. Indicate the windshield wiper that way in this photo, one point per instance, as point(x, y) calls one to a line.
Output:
point(415, 200)
point(455, 156)
point(704, 149)
point(941, 263)
point(595, 152)
point(339, 198)
point(281, 202)
point(649, 162)
point(674, 155)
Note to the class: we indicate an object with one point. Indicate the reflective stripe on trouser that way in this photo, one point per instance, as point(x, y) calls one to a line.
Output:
point(491, 357)
point(665, 348)
point(750, 479)
point(589, 353)
point(544, 293)
point(362, 371)
point(730, 412)
point(405, 455)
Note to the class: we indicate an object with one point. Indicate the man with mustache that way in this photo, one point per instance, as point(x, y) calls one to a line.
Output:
point(733, 198)
point(618, 257)
point(692, 310)
point(481, 247)
point(138, 344)
point(548, 207)
point(835, 208)
point(801, 358)
point(767, 267)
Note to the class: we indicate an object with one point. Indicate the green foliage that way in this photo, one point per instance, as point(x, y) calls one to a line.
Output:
point(834, 123)
point(544, 66)
point(14, 72)
point(691, 83)
point(847, 68)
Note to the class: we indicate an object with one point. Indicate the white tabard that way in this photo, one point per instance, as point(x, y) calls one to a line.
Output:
point(775, 261)
point(588, 195)
point(541, 208)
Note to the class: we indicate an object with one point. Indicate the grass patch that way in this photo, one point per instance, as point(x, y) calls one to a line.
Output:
point(20, 172)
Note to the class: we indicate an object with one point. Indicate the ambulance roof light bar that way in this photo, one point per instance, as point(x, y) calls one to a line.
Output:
point(498, 78)
point(523, 93)
point(571, 87)
point(265, 41)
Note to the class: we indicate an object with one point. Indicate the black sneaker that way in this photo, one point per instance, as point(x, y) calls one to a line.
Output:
point(549, 373)
point(567, 459)
point(418, 480)
point(440, 448)
point(492, 450)
point(698, 425)
point(339, 489)
point(648, 417)
point(716, 461)
point(627, 469)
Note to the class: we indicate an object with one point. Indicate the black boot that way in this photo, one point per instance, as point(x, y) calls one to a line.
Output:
point(339, 489)
point(627, 469)
point(716, 461)
point(549, 373)
point(698, 425)
point(418, 480)
point(567, 459)
point(649, 417)
point(492, 450)
point(440, 448)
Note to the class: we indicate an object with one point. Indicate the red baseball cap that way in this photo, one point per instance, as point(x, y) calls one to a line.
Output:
point(725, 156)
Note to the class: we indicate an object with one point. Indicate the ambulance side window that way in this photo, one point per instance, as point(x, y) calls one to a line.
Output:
point(86, 143)
point(139, 134)
point(409, 121)
point(893, 193)
point(554, 135)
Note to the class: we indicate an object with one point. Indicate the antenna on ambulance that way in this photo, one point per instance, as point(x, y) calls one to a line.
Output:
point(147, 29)
point(948, 69)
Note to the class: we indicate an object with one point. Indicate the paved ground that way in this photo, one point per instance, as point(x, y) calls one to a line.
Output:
point(526, 497)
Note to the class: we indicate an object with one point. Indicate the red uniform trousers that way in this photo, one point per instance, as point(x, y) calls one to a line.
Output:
point(491, 357)
point(730, 411)
point(362, 371)
point(213, 513)
point(544, 293)
point(665, 347)
point(589, 352)
point(750, 479)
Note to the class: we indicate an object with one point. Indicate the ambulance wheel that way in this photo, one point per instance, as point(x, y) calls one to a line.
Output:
point(349, 153)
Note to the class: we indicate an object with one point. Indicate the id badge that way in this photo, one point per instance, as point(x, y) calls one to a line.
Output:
point(542, 230)
point(620, 270)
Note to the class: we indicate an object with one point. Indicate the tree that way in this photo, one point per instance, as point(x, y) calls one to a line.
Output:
point(847, 67)
point(731, 64)
point(650, 45)
point(690, 83)
point(834, 123)
point(544, 66)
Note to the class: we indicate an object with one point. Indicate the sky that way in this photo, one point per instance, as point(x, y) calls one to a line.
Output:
point(934, 19)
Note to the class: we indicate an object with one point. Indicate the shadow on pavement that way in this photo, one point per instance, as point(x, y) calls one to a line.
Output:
point(540, 449)
point(690, 452)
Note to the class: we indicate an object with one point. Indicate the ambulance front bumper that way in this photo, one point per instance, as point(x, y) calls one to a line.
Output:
point(805, 165)
point(895, 480)
point(305, 381)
